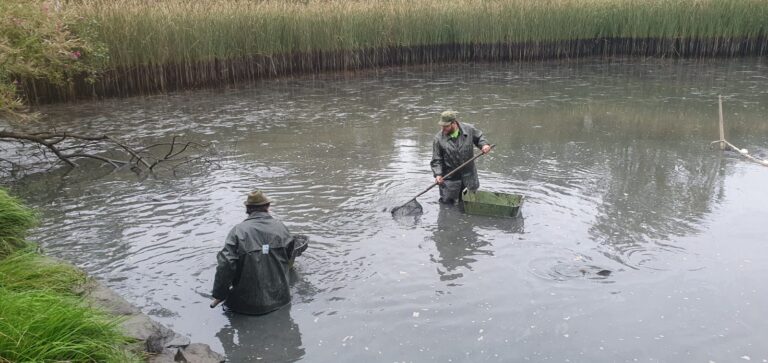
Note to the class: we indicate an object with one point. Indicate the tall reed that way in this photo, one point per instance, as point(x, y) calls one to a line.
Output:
point(177, 31)
point(169, 44)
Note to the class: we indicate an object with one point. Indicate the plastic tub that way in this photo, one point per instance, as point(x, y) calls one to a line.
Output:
point(491, 203)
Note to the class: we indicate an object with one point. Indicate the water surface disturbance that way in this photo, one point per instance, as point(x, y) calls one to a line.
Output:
point(636, 240)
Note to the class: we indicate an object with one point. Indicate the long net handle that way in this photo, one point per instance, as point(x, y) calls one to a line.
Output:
point(453, 171)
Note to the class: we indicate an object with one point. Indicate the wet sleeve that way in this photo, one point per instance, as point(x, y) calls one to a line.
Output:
point(226, 268)
point(479, 139)
point(437, 158)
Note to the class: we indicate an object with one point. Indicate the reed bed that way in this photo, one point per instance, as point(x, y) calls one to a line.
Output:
point(171, 44)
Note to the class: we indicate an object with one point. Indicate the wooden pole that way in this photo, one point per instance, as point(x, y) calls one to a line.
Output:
point(722, 129)
point(733, 147)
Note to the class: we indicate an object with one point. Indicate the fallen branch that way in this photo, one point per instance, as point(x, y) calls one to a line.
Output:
point(68, 148)
point(133, 153)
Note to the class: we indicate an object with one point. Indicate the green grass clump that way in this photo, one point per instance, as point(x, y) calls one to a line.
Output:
point(27, 270)
point(15, 220)
point(37, 326)
point(42, 319)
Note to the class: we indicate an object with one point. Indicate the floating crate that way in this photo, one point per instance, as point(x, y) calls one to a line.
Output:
point(492, 204)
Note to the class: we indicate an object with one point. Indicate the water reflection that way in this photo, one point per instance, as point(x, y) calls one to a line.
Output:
point(460, 242)
point(652, 196)
point(273, 337)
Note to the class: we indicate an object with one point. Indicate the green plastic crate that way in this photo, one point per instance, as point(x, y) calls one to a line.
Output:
point(492, 204)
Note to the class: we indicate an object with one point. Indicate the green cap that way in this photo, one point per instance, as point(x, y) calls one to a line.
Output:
point(447, 117)
point(257, 198)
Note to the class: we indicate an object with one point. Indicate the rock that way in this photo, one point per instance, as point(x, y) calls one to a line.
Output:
point(166, 356)
point(604, 272)
point(198, 353)
point(161, 337)
point(104, 298)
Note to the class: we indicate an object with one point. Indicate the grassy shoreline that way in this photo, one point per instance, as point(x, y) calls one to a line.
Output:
point(42, 318)
point(177, 44)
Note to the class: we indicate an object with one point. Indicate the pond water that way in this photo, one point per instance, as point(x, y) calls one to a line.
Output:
point(636, 242)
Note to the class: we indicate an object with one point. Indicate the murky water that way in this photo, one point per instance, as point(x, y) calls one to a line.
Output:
point(637, 242)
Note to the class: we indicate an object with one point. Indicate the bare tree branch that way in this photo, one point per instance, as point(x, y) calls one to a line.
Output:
point(68, 147)
point(113, 162)
point(130, 151)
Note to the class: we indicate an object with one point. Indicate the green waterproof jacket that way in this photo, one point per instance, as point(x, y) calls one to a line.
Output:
point(448, 154)
point(251, 278)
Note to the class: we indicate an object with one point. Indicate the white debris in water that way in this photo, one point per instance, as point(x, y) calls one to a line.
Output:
point(403, 273)
point(480, 338)
point(746, 357)
point(348, 337)
point(415, 314)
point(567, 318)
point(566, 335)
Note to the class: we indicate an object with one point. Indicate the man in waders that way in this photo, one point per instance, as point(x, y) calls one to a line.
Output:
point(452, 146)
point(253, 266)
